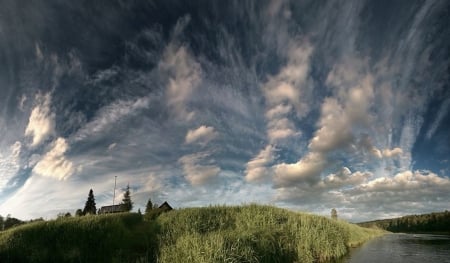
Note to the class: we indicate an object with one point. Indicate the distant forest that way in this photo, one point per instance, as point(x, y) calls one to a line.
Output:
point(427, 223)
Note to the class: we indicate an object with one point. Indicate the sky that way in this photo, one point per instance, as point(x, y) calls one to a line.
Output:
point(307, 105)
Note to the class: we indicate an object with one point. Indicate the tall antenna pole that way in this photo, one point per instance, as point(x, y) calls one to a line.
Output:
point(114, 196)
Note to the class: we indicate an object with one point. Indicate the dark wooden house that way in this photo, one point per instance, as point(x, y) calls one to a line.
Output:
point(165, 207)
point(111, 209)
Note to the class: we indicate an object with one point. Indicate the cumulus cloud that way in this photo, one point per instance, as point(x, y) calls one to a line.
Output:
point(335, 128)
point(341, 115)
point(344, 178)
point(411, 190)
point(54, 163)
point(306, 170)
point(202, 135)
point(388, 153)
point(287, 91)
point(196, 173)
point(41, 123)
point(257, 168)
point(366, 145)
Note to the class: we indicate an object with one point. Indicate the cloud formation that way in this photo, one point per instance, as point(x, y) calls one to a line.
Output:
point(197, 173)
point(54, 163)
point(41, 123)
point(257, 169)
point(201, 135)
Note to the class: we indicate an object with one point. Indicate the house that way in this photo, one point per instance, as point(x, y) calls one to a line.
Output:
point(111, 209)
point(165, 207)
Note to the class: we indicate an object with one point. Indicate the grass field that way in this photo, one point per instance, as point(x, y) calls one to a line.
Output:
point(251, 233)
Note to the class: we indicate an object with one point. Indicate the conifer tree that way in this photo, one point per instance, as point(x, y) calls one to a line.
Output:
point(149, 206)
point(89, 207)
point(127, 204)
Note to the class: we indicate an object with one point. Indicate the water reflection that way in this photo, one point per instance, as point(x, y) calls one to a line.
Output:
point(396, 248)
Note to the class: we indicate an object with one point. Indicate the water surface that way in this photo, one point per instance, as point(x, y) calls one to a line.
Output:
point(396, 248)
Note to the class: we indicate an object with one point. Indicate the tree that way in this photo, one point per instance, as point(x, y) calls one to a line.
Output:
point(89, 207)
point(334, 214)
point(127, 204)
point(79, 212)
point(149, 206)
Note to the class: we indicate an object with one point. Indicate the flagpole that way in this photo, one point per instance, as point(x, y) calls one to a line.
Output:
point(114, 196)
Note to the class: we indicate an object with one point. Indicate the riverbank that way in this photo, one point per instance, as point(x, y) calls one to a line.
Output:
point(250, 233)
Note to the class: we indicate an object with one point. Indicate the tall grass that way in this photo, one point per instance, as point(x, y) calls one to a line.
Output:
point(254, 234)
point(105, 238)
point(250, 233)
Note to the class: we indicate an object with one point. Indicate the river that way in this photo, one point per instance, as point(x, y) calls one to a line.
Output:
point(404, 248)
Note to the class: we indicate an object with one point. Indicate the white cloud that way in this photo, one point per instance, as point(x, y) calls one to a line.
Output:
point(41, 123)
point(257, 168)
point(281, 128)
point(344, 178)
point(366, 145)
point(54, 163)
point(109, 115)
point(112, 146)
point(198, 174)
point(287, 91)
point(202, 135)
point(184, 77)
point(278, 110)
point(334, 128)
point(340, 115)
point(306, 170)
point(388, 153)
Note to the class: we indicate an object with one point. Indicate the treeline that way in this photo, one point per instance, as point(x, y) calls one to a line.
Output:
point(434, 222)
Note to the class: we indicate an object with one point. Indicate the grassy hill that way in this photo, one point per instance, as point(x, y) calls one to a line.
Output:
point(250, 233)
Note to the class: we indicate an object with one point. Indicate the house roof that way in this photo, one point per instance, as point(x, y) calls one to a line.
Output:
point(165, 206)
point(112, 208)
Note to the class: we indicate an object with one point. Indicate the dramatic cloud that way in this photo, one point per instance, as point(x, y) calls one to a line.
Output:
point(339, 118)
point(41, 123)
point(201, 135)
point(54, 163)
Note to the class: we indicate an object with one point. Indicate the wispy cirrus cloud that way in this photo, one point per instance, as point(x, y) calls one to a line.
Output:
point(110, 115)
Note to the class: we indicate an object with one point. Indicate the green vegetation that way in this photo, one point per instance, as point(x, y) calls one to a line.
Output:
point(426, 223)
point(250, 233)
point(123, 237)
point(89, 207)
